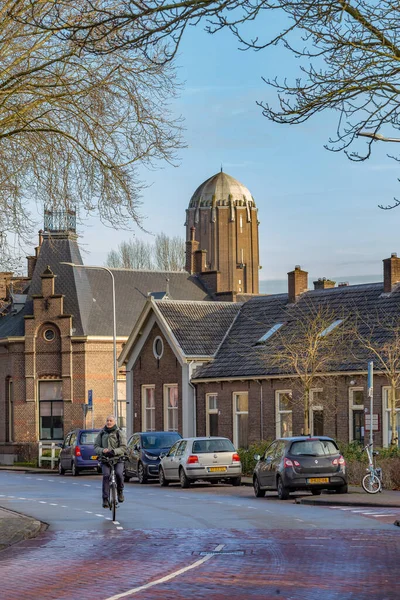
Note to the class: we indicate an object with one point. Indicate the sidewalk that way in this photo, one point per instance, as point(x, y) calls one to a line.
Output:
point(15, 527)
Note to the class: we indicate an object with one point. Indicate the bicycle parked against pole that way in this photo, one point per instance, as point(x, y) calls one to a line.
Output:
point(372, 481)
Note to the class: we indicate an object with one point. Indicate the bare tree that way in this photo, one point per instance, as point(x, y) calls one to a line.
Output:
point(306, 347)
point(377, 338)
point(169, 253)
point(76, 122)
point(166, 254)
point(348, 53)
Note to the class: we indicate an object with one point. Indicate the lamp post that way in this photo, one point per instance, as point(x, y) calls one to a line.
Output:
point(114, 328)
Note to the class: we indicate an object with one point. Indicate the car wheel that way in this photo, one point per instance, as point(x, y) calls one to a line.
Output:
point(236, 481)
point(185, 482)
point(161, 477)
point(258, 492)
point(74, 469)
point(283, 491)
point(141, 474)
point(61, 470)
point(343, 489)
point(316, 492)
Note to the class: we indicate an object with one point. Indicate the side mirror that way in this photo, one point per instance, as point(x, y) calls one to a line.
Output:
point(257, 457)
point(162, 454)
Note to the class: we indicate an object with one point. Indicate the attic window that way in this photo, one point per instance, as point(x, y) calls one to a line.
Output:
point(269, 333)
point(331, 327)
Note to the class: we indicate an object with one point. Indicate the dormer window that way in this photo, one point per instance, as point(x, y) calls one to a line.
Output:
point(269, 333)
point(330, 328)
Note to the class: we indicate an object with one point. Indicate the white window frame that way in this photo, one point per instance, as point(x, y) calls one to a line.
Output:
point(278, 412)
point(121, 404)
point(354, 407)
point(166, 387)
point(386, 415)
point(314, 407)
point(210, 411)
point(145, 409)
point(236, 413)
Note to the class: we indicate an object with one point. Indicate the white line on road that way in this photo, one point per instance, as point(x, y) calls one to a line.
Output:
point(42, 502)
point(146, 586)
point(52, 504)
point(97, 515)
point(119, 528)
point(63, 506)
point(376, 515)
point(89, 512)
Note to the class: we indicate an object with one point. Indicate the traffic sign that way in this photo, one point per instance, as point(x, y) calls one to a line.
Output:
point(90, 399)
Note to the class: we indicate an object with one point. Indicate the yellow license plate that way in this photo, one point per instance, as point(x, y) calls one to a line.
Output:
point(93, 457)
point(319, 480)
point(217, 469)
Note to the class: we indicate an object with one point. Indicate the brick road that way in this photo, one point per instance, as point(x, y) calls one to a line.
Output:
point(289, 565)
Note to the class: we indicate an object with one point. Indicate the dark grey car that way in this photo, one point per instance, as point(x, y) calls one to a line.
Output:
point(144, 449)
point(300, 463)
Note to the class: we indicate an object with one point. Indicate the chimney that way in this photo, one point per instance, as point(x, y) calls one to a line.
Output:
point(391, 272)
point(47, 282)
point(298, 283)
point(343, 284)
point(192, 245)
point(324, 284)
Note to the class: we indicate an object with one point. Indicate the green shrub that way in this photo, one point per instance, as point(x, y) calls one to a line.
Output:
point(247, 456)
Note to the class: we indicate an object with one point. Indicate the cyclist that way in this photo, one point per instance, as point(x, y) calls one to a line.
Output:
point(111, 442)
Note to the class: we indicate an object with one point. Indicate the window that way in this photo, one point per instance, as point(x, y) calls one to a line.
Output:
point(212, 414)
point(283, 408)
point(174, 449)
point(121, 383)
point(331, 326)
point(148, 408)
point(269, 333)
point(49, 335)
point(241, 419)
point(171, 407)
point(356, 414)
point(9, 410)
point(387, 426)
point(51, 410)
point(181, 448)
point(158, 348)
point(316, 412)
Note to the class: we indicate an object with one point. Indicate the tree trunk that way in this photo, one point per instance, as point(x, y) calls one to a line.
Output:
point(306, 412)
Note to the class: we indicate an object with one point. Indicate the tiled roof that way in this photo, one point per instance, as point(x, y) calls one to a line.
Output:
point(199, 327)
point(241, 356)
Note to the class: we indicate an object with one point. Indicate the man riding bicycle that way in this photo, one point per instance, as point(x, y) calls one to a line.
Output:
point(111, 442)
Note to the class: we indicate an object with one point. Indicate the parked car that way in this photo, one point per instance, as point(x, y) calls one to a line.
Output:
point(77, 451)
point(300, 463)
point(210, 459)
point(144, 449)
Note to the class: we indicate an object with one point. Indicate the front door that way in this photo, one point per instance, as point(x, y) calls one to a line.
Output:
point(177, 459)
point(318, 422)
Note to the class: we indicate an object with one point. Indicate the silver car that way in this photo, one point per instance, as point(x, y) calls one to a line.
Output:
point(210, 459)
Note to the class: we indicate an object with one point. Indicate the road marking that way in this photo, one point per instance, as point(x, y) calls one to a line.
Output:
point(52, 504)
point(376, 515)
point(86, 485)
point(252, 507)
point(108, 518)
point(97, 515)
point(63, 506)
point(89, 512)
point(119, 527)
point(42, 502)
point(301, 520)
point(146, 586)
point(116, 522)
point(21, 498)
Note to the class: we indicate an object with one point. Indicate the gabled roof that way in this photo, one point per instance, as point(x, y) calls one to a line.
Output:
point(198, 327)
point(241, 356)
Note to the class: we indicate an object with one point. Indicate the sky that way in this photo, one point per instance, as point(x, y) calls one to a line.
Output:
point(316, 208)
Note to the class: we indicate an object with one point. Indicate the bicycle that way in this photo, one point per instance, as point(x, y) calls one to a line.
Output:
point(112, 494)
point(372, 481)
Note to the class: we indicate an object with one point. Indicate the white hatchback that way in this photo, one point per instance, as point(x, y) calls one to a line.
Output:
point(210, 459)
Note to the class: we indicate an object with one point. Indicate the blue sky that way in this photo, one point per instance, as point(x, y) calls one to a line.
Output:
point(316, 208)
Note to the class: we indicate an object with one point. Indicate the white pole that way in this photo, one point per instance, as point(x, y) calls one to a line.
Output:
point(371, 398)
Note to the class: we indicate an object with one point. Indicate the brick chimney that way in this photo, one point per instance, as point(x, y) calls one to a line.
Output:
point(297, 283)
point(343, 284)
point(324, 284)
point(192, 245)
point(391, 272)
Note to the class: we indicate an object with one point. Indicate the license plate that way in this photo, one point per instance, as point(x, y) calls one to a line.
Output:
point(93, 457)
point(217, 469)
point(318, 480)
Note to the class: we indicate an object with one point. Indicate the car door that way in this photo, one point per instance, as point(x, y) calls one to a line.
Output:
point(276, 462)
point(177, 459)
point(264, 469)
point(64, 451)
point(167, 462)
point(131, 463)
point(71, 449)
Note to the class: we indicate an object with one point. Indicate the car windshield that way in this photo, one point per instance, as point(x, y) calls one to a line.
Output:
point(219, 445)
point(314, 448)
point(88, 437)
point(159, 440)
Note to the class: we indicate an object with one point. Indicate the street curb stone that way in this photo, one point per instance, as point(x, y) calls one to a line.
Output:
point(15, 527)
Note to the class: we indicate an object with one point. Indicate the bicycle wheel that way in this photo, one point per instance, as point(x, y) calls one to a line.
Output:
point(114, 501)
point(371, 483)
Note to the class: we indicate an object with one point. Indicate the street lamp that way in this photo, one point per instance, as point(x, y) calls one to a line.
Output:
point(114, 328)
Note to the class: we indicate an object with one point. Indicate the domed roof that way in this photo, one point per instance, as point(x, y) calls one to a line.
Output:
point(221, 189)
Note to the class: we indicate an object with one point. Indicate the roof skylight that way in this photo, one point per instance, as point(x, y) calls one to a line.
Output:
point(330, 327)
point(270, 332)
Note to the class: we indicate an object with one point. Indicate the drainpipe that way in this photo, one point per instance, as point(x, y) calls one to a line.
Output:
point(261, 410)
point(194, 397)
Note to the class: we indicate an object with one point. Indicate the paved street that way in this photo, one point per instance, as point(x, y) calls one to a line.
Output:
point(204, 542)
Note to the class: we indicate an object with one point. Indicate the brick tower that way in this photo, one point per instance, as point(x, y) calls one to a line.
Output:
point(222, 237)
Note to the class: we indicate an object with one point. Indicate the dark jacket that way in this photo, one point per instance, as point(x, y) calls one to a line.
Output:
point(113, 441)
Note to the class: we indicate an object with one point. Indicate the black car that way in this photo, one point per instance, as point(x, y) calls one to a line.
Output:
point(144, 451)
point(77, 451)
point(300, 463)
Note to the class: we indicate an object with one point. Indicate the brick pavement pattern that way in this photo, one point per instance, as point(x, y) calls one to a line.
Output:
point(289, 565)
